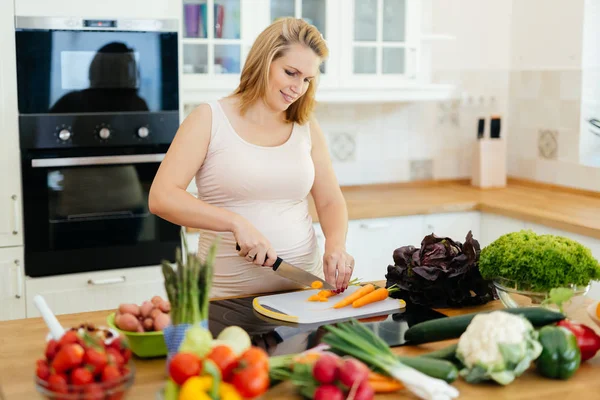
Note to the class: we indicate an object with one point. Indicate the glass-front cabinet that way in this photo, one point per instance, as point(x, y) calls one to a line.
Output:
point(381, 42)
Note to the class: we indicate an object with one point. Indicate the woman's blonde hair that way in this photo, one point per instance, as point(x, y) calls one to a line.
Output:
point(271, 44)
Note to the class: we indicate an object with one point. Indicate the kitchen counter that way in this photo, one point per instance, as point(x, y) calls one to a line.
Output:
point(558, 207)
point(22, 343)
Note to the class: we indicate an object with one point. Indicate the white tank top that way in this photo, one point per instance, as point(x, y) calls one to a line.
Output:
point(269, 187)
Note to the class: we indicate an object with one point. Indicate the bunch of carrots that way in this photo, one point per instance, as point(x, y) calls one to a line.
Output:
point(367, 294)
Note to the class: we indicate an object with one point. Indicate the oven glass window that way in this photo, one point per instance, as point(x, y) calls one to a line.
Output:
point(95, 71)
point(100, 205)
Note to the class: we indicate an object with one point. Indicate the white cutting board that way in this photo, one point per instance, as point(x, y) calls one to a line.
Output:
point(295, 307)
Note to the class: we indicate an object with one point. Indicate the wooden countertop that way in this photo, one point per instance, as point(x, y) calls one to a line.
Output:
point(22, 343)
point(572, 210)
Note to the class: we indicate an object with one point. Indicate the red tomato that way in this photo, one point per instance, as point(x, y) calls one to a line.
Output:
point(251, 381)
point(255, 357)
point(184, 366)
point(225, 358)
point(81, 376)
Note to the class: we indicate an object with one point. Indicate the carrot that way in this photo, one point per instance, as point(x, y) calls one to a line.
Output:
point(365, 290)
point(374, 296)
point(326, 293)
point(314, 297)
point(386, 386)
point(316, 285)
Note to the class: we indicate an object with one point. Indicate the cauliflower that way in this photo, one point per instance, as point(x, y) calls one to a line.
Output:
point(497, 346)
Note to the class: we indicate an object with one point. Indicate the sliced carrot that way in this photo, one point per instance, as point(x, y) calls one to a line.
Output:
point(314, 297)
point(386, 386)
point(326, 293)
point(363, 291)
point(316, 285)
point(598, 310)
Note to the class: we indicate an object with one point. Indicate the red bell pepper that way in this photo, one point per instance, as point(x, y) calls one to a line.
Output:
point(587, 339)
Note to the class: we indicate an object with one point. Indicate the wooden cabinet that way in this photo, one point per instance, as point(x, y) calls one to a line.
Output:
point(375, 47)
point(11, 231)
point(12, 290)
point(94, 291)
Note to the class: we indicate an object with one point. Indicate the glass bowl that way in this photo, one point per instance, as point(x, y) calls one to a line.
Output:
point(114, 390)
point(517, 294)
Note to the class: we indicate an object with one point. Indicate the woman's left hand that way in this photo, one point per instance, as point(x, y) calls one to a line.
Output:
point(338, 266)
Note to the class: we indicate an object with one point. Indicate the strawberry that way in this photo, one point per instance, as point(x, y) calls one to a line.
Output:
point(69, 337)
point(81, 376)
point(51, 349)
point(115, 357)
point(96, 359)
point(121, 344)
point(110, 375)
point(58, 383)
point(42, 370)
point(68, 357)
point(93, 391)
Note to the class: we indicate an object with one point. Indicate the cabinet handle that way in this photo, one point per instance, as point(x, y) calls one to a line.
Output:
point(19, 280)
point(109, 281)
point(375, 225)
point(15, 214)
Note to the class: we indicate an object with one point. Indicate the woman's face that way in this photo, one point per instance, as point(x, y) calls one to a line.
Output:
point(290, 75)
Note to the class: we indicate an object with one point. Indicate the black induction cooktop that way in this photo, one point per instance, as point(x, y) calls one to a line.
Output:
point(279, 337)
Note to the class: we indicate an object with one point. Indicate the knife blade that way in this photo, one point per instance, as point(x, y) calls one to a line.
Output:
point(295, 274)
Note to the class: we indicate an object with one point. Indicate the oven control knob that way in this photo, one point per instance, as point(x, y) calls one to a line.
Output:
point(143, 132)
point(104, 133)
point(64, 135)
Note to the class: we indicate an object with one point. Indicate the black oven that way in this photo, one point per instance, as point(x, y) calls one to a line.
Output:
point(98, 108)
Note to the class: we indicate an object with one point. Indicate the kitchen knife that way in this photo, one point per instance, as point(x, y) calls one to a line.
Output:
point(295, 274)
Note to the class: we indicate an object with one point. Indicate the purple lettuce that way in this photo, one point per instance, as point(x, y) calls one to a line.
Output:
point(442, 273)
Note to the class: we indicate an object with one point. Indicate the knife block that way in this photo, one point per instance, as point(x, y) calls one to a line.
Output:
point(489, 163)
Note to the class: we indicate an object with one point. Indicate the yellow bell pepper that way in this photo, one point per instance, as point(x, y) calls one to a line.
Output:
point(228, 392)
point(195, 388)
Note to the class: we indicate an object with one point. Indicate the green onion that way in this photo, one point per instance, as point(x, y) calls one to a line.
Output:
point(354, 339)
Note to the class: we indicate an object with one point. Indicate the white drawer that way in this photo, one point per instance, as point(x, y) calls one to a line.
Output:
point(92, 291)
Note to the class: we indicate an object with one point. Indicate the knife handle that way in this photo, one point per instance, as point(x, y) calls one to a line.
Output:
point(275, 265)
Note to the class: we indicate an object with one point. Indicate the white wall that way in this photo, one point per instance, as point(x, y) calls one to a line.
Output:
point(99, 8)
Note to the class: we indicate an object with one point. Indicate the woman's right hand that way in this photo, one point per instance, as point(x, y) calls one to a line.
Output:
point(254, 247)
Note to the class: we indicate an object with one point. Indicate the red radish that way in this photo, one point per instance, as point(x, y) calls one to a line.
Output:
point(326, 368)
point(364, 391)
point(328, 392)
point(352, 371)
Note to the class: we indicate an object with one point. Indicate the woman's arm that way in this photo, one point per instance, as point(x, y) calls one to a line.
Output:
point(170, 200)
point(332, 212)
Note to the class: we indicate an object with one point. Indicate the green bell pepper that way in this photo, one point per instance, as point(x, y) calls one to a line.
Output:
point(560, 356)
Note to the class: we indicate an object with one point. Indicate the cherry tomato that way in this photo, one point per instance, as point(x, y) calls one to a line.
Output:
point(255, 357)
point(251, 381)
point(225, 358)
point(184, 366)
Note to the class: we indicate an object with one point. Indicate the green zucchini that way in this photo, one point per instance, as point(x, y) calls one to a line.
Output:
point(447, 353)
point(435, 368)
point(452, 327)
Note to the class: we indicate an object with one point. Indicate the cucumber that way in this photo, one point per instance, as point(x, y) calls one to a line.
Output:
point(447, 353)
point(440, 369)
point(452, 327)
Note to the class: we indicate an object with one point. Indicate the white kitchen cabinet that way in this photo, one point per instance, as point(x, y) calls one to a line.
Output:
point(12, 290)
point(94, 291)
point(454, 225)
point(372, 242)
point(375, 47)
point(493, 226)
point(11, 232)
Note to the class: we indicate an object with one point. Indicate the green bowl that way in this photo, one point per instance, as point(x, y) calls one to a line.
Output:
point(143, 345)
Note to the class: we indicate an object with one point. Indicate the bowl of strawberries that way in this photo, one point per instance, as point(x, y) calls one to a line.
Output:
point(81, 366)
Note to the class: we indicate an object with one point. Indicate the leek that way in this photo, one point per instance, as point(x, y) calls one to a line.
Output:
point(354, 339)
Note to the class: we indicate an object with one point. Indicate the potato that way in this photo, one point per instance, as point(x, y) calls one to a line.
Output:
point(165, 307)
point(161, 322)
point(133, 309)
point(155, 312)
point(148, 324)
point(156, 300)
point(127, 322)
point(146, 309)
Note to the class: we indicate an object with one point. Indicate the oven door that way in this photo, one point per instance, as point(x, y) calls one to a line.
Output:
point(90, 213)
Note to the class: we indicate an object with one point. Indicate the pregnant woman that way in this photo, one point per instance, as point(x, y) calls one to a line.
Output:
point(256, 155)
